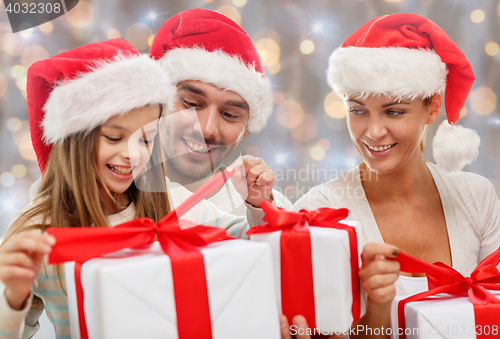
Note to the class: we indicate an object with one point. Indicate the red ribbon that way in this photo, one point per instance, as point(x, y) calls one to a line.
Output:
point(181, 245)
point(444, 279)
point(296, 257)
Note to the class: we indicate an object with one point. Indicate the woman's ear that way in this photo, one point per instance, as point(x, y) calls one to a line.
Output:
point(434, 108)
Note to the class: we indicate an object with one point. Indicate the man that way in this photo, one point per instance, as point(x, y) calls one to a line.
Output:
point(222, 96)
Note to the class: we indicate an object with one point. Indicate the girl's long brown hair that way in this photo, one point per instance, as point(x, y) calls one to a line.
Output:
point(70, 190)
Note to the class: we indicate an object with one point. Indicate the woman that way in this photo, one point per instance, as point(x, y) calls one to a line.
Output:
point(390, 73)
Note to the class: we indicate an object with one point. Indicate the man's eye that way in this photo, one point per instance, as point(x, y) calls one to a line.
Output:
point(112, 139)
point(190, 104)
point(229, 115)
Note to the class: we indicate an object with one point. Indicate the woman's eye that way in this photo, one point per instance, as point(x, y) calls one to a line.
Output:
point(394, 113)
point(355, 111)
point(112, 139)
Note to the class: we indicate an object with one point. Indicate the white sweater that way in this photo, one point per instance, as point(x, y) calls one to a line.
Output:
point(470, 205)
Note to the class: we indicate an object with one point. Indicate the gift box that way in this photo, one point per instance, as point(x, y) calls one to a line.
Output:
point(442, 316)
point(130, 294)
point(316, 262)
point(454, 306)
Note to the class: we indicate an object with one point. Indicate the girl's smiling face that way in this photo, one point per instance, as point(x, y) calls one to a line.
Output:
point(386, 131)
point(125, 145)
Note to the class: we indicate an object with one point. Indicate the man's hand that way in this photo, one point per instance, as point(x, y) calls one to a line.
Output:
point(253, 179)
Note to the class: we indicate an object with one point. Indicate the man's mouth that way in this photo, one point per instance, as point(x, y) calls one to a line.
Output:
point(122, 170)
point(200, 148)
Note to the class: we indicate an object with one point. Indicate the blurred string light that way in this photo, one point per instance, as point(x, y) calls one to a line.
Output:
point(483, 100)
point(137, 34)
point(18, 71)
point(318, 27)
point(268, 48)
point(307, 46)
point(494, 121)
point(239, 3)
point(334, 106)
point(307, 130)
point(492, 48)
point(463, 112)
point(281, 158)
point(3, 84)
point(7, 179)
point(32, 54)
point(230, 12)
point(46, 28)
point(279, 98)
point(317, 153)
point(477, 16)
point(14, 124)
point(18, 171)
point(113, 33)
point(152, 16)
point(81, 15)
point(290, 114)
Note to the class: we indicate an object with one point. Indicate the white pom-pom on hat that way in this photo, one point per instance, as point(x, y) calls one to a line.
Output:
point(454, 147)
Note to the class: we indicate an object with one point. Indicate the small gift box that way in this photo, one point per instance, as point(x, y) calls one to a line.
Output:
point(195, 282)
point(316, 262)
point(454, 307)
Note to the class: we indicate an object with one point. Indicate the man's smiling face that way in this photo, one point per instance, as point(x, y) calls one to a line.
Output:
point(208, 123)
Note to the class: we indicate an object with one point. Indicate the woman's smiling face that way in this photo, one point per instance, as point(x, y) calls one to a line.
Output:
point(386, 131)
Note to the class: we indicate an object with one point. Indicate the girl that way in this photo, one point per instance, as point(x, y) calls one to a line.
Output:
point(94, 115)
point(390, 73)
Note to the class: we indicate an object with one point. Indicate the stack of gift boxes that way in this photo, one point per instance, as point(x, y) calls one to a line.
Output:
point(197, 282)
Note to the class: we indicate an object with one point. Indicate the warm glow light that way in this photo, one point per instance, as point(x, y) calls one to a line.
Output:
point(274, 68)
point(33, 54)
point(239, 3)
point(317, 153)
point(393, 1)
point(14, 124)
point(334, 106)
point(230, 12)
point(138, 35)
point(27, 32)
point(3, 84)
point(492, 48)
point(208, 1)
point(46, 28)
point(19, 171)
point(81, 15)
point(7, 179)
point(279, 97)
point(26, 148)
point(18, 71)
point(307, 46)
point(150, 39)
point(21, 83)
point(463, 112)
point(477, 16)
point(113, 33)
point(483, 100)
point(152, 16)
point(324, 143)
point(306, 130)
point(290, 114)
point(269, 51)
point(318, 27)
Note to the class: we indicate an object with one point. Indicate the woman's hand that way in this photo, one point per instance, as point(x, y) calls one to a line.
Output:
point(20, 260)
point(299, 329)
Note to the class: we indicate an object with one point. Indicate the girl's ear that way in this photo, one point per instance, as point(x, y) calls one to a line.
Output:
point(434, 108)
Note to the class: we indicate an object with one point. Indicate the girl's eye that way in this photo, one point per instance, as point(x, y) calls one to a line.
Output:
point(112, 139)
point(146, 142)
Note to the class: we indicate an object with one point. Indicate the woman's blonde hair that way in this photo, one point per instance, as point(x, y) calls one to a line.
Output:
point(426, 102)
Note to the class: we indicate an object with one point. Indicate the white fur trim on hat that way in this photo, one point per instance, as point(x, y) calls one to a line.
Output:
point(224, 71)
point(109, 89)
point(453, 147)
point(404, 73)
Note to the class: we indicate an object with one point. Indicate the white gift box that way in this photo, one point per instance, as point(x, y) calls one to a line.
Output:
point(441, 317)
point(129, 294)
point(331, 263)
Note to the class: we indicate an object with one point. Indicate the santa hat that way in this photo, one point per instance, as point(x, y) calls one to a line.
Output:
point(79, 90)
point(200, 44)
point(407, 56)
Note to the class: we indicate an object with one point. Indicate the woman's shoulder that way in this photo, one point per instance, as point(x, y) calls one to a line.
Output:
point(462, 181)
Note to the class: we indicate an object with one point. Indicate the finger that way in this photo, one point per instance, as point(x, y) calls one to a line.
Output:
point(379, 281)
point(285, 328)
point(28, 242)
point(250, 162)
point(302, 327)
point(382, 295)
point(372, 250)
point(382, 266)
point(266, 178)
point(12, 272)
point(254, 173)
point(17, 258)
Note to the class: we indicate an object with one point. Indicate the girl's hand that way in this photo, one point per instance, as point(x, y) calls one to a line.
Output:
point(378, 272)
point(20, 261)
point(299, 329)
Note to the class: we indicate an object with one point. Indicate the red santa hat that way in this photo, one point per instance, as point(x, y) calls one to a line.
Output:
point(199, 44)
point(79, 90)
point(407, 56)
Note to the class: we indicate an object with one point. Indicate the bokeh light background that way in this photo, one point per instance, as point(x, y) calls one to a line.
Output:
point(306, 141)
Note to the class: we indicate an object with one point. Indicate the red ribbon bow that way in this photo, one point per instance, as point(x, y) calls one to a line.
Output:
point(181, 245)
point(444, 279)
point(295, 247)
